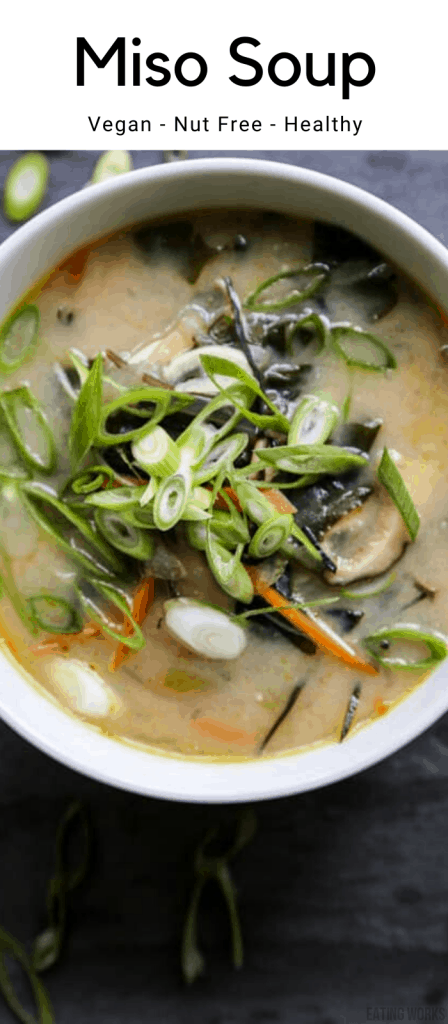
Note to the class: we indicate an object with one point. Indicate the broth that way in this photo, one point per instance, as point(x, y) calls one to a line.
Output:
point(143, 297)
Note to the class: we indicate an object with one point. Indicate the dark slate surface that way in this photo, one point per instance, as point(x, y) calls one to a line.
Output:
point(343, 892)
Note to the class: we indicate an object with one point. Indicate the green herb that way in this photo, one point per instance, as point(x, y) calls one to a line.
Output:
point(362, 350)
point(240, 398)
point(90, 480)
point(375, 588)
point(10, 588)
point(294, 605)
point(317, 271)
point(18, 337)
point(54, 614)
point(92, 606)
point(351, 710)
point(270, 536)
point(156, 452)
point(221, 455)
point(208, 867)
point(96, 555)
point(313, 320)
point(381, 641)
point(131, 540)
point(117, 499)
point(86, 414)
point(48, 944)
point(314, 420)
point(161, 400)
point(171, 499)
point(392, 480)
point(227, 569)
point(12, 948)
point(29, 428)
point(217, 365)
point(114, 162)
point(316, 458)
point(25, 186)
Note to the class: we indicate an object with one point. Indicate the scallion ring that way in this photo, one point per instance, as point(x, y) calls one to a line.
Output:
point(204, 629)
point(317, 271)
point(220, 455)
point(90, 600)
point(131, 540)
point(161, 400)
point(392, 480)
point(18, 337)
point(228, 570)
point(29, 428)
point(54, 614)
point(156, 452)
point(170, 500)
point(316, 458)
point(90, 480)
point(381, 641)
point(314, 420)
point(362, 350)
point(116, 499)
point(25, 186)
point(270, 536)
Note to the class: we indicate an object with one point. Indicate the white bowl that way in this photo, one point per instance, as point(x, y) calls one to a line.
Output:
point(164, 190)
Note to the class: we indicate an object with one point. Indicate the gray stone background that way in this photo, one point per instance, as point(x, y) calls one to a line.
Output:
point(343, 892)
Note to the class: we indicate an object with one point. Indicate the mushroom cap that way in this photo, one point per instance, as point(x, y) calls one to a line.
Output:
point(367, 541)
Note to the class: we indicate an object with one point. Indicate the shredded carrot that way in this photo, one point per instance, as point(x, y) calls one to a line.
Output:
point(222, 731)
point(143, 599)
point(380, 706)
point(309, 624)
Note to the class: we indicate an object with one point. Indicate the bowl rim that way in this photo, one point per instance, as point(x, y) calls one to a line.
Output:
point(80, 746)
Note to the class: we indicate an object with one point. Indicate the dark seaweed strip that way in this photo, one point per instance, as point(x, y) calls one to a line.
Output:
point(348, 618)
point(283, 714)
point(240, 329)
point(325, 559)
point(351, 709)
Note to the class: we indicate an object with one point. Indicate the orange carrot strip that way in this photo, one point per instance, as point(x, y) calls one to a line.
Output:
point(379, 706)
point(143, 599)
point(309, 624)
point(221, 731)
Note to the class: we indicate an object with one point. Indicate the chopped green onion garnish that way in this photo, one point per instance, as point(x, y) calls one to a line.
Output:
point(381, 641)
point(392, 480)
point(220, 455)
point(270, 536)
point(10, 947)
point(54, 614)
point(216, 365)
point(25, 186)
point(230, 530)
point(114, 162)
point(18, 337)
point(90, 599)
point(161, 400)
point(29, 428)
point(313, 320)
point(318, 273)
point(91, 480)
point(132, 540)
point(170, 500)
point(362, 350)
point(197, 535)
point(86, 414)
point(314, 420)
point(116, 499)
point(375, 588)
point(316, 458)
point(227, 569)
point(156, 452)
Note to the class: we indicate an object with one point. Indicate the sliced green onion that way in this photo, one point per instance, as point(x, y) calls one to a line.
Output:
point(116, 499)
point(317, 271)
point(29, 428)
point(220, 455)
point(214, 365)
point(132, 540)
point(316, 458)
point(8, 586)
point(392, 480)
point(9, 946)
point(314, 420)
point(93, 608)
point(156, 452)
point(114, 162)
point(170, 500)
point(381, 640)
point(149, 492)
point(18, 337)
point(80, 363)
point(230, 530)
point(237, 397)
point(204, 629)
point(270, 536)
point(86, 414)
point(91, 480)
point(25, 186)
point(198, 505)
point(320, 325)
point(227, 569)
point(260, 510)
point(162, 400)
point(96, 555)
point(54, 614)
point(196, 533)
point(375, 588)
point(362, 350)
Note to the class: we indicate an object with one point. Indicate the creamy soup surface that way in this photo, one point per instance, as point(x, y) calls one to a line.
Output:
point(143, 297)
